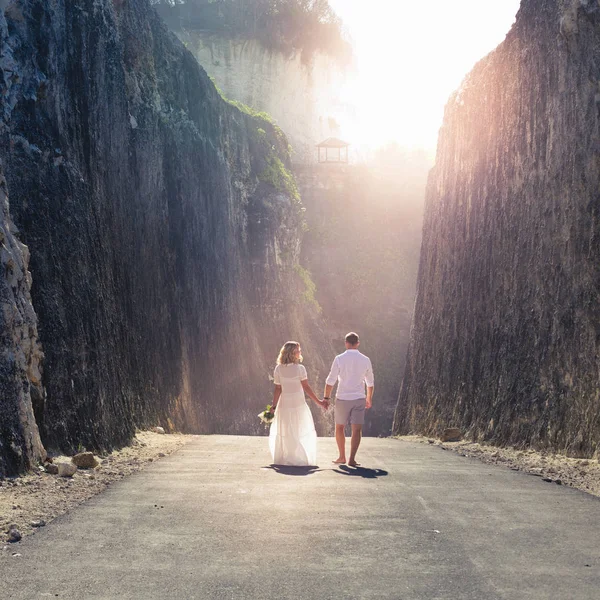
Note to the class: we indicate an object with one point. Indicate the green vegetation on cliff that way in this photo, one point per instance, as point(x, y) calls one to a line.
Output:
point(310, 288)
point(269, 123)
point(276, 174)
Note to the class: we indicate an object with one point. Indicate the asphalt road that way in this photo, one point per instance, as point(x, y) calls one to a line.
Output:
point(215, 521)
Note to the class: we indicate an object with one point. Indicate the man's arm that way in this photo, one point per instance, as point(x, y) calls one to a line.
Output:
point(369, 397)
point(331, 379)
point(370, 381)
point(328, 391)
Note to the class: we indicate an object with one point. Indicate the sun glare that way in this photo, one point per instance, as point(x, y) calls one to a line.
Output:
point(410, 56)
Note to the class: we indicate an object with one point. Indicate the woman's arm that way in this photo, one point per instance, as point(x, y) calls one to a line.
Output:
point(310, 393)
point(276, 394)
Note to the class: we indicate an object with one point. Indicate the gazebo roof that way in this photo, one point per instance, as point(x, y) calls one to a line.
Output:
point(332, 143)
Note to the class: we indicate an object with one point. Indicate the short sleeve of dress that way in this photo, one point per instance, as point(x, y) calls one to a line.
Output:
point(276, 378)
point(303, 374)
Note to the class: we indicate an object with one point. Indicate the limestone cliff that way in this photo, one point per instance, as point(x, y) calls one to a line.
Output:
point(163, 226)
point(20, 353)
point(305, 99)
point(506, 334)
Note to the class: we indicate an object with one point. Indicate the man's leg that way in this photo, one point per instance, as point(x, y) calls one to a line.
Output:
point(340, 438)
point(357, 419)
point(355, 443)
point(342, 415)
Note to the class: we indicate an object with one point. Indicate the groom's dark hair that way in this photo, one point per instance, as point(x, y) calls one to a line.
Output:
point(352, 338)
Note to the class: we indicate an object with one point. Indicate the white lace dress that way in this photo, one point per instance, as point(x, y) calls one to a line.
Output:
point(292, 439)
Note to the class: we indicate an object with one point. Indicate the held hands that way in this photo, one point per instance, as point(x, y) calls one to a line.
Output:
point(324, 404)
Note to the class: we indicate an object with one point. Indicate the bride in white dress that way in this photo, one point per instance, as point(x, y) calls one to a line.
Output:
point(293, 439)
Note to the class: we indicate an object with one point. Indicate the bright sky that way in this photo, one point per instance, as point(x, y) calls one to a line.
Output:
point(411, 55)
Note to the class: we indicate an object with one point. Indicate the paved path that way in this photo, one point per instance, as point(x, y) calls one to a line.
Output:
point(213, 521)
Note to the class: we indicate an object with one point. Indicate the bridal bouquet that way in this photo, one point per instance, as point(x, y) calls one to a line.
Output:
point(267, 415)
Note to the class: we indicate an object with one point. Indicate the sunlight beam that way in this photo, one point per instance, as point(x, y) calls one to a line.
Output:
point(410, 57)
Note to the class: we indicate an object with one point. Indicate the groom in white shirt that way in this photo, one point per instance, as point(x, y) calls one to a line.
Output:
point(352, 370)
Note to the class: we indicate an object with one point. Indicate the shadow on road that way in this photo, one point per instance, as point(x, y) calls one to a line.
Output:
point(286, 470)
point(360, 472)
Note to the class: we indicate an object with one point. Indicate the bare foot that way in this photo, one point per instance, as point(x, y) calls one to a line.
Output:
point(339, 461)
point(353, 463)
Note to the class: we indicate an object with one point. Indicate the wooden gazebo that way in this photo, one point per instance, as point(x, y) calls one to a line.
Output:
point(333, 150)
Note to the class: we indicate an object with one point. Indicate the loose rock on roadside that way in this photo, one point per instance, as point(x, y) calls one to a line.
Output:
point(40, 496)
point(85, 460)
point(66, 469)
point(14, 535)
point(580, 473)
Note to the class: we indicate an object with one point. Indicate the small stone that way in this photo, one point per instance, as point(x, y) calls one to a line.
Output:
point(158, 430)
point(431, 441)
point(451, 434)
point(66, 469)
point(14, 535)
point(85, 460)
point(38, 523)
point(558, 482)
point(161, 454)
point(52, 469)
point(547, 479)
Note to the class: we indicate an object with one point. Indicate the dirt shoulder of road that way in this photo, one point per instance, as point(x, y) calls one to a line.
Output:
point(39, 497)
point(583, 474)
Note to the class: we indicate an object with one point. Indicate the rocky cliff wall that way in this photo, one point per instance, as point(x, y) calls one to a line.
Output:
point(506, 334)
point(162, 224)
point(305, 99)
point(20, 353)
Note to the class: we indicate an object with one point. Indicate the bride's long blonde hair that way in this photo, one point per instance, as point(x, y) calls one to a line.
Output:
point(286, 354)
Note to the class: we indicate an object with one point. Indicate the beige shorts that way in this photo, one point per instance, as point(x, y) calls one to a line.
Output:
point(350, 411)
